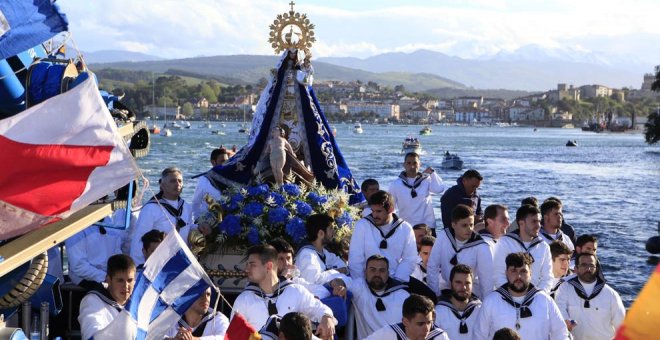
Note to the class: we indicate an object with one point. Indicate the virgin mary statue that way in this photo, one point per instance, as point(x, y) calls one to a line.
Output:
point(288, 103)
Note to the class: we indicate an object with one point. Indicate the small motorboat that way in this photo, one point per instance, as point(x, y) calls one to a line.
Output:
point(173, 126)
point(425, 131)
point(411, 145)
point(154, 129)
point(165, 132)
point(186, 125)
point(218, 132)
point(452, 161)
point(358, 128)
point(572, 143)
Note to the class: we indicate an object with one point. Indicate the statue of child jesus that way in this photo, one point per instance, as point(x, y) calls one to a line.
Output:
point(277, 147)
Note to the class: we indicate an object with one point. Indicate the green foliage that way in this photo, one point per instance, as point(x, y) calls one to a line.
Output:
point(652, 128)
point(656, 84)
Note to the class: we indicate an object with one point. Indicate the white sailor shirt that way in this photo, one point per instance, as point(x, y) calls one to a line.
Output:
point(253, 303)
point(488, 237)
point(213, 326)
point(417, 209)
point(367, 239)
point(88, 252)
point(446, 253)
point(598, 318)
point(559, 236)
point(537, 316)
point(97, 311)
point(376, 310)
point(320, 268)
point(204, 186)
point(459, 325)
point(118, 220)
point(152, 216)
point(539, 250)
point(398, 332)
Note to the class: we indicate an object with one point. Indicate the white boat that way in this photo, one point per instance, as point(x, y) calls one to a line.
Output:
point(358, 128)
point(411, 145)
point(452, 161)
point(165, 132)
point(186, 125)
point(218, 132)
point(173, 126)
point(425, 131)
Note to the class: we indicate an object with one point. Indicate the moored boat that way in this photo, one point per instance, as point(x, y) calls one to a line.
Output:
point(425, 131)
point(358, 128)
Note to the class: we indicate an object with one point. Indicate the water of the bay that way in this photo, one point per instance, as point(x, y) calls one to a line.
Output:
point(609, 184)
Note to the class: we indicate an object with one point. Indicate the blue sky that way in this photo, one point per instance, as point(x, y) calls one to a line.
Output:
point(464, 28)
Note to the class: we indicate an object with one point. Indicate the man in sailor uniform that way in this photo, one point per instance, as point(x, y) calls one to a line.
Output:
point(200, 321)
point(525, 239)
point(292, 326)
point(369, 187)
point(174, 212)
point(460, 244)
point(521, 306)
point(377, 297)
point(100, 306)
point(412, 192)
point(496, 222)
point(386, 234)
point(420, 230)
point(267, 294)
point(288, 270)
point(420, 272)
point(457, 308)
point(586, 299)
point(316, 264)
point(417, 323)
point(205, 185)
point(88, 252)
point(552, 218)
point(561, 257)
point(585, 244)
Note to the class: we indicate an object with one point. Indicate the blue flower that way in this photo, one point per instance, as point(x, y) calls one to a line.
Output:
point(291, 189)
point(344, 220)
point(231, 225)
point(253, 236)
point(278, 215)
point(237, 197)
point(317, 199)
point(253, 209)
point(278, 198)
point(303, 209)
point(296, 229)
point(259, 190)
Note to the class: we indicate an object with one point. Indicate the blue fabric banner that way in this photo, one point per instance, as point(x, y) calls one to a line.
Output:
point(327, 163)
point(27, 23)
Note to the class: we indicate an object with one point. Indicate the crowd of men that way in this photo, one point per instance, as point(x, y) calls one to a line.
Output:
point(482, 276)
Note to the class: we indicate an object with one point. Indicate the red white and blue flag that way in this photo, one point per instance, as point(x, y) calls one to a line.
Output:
point(58, 157)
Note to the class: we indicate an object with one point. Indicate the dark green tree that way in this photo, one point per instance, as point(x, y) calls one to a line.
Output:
point(652, 126)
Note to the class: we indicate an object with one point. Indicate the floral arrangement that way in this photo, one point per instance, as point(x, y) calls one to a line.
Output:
point(257, 214)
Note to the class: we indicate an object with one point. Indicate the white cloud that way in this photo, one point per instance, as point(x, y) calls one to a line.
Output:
point(467, 28)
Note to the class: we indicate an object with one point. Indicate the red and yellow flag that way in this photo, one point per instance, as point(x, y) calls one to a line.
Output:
point(240, 329)
point(642, 319)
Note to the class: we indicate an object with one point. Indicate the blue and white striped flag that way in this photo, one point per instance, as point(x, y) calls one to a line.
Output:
point(171, 282)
